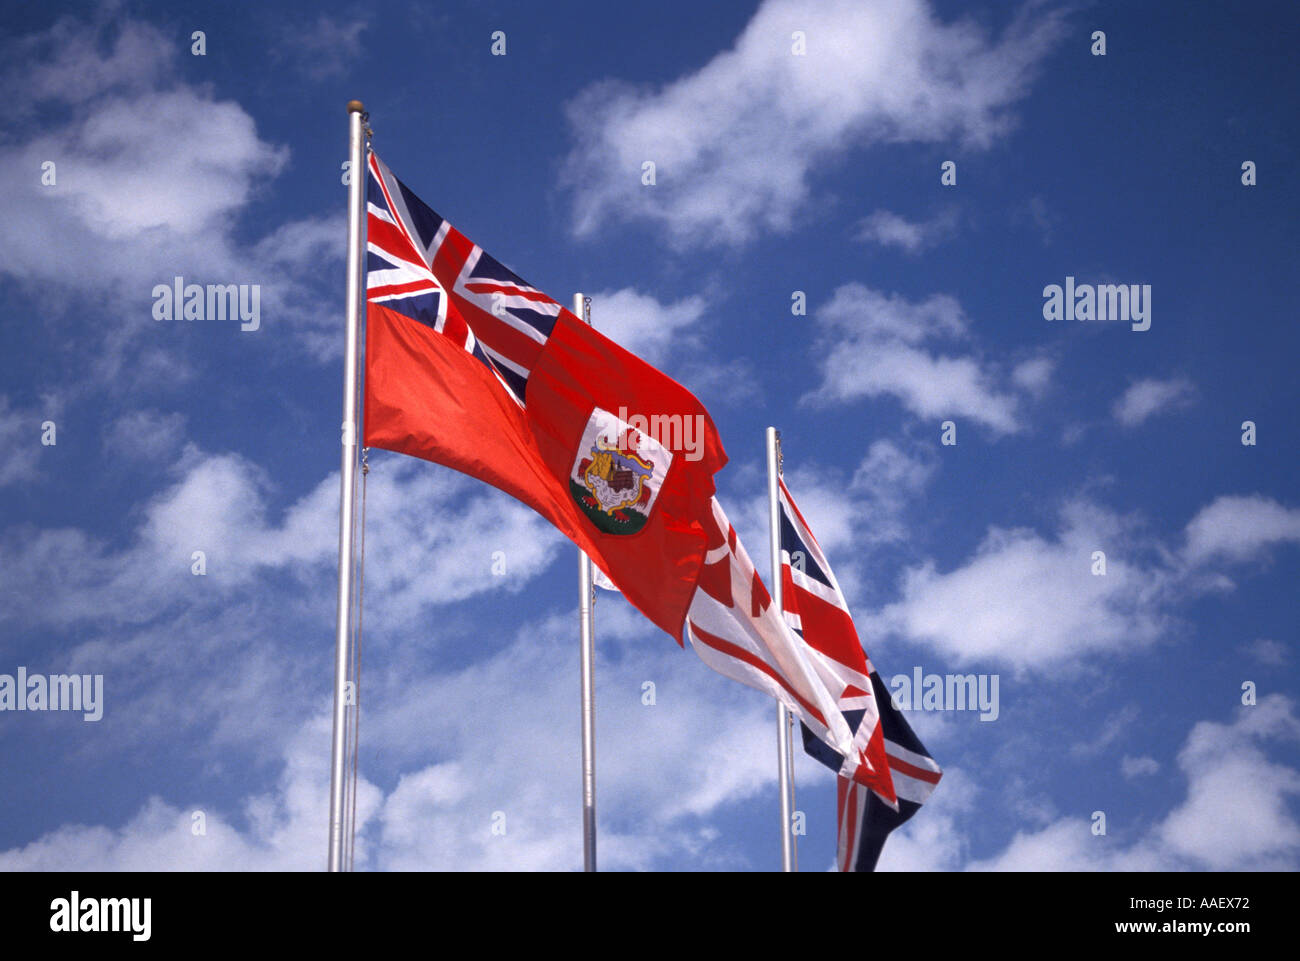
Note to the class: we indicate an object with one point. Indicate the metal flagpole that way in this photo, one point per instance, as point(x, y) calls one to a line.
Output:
point(789, 777)
point(784, 755)
point(586, 630)
point(347, 475)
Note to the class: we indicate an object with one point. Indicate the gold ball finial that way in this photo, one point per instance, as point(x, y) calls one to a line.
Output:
point(356, 106)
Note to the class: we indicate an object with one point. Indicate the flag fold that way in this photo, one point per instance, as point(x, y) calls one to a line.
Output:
point(873, 798)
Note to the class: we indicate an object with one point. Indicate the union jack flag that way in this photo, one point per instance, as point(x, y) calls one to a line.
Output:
point(736, 629)
point(422, 267)
point(815, 609)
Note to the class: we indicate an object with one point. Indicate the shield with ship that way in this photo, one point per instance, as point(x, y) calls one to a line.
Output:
point(617, 473)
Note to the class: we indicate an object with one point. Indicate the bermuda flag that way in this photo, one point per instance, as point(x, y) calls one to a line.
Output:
point(469, 366)
point(868, 807)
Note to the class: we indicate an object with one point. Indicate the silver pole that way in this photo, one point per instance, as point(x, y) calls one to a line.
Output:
point(784, 756)
point(789, 767)
point(347, 478)
point(588, 646)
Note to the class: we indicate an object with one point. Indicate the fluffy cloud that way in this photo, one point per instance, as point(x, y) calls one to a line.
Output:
point(1227, 770)
point(1132, 767)
point(1147, 398)
point(1237, 528)
point(648, 328)
point(73, 63)
point(889, 229)
point(430, 542)
point(134, 611)
point(1049, 605)
point(1235, 816)
point(286, 827)
point(1034, 375)
point(736, 142)
point(1051, 608)
point(439, 816)
point(882, 487)
point(151, 176)
point(705, 739)
point(874, 344)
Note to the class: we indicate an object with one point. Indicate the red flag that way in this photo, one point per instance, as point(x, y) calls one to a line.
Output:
point(469, 366)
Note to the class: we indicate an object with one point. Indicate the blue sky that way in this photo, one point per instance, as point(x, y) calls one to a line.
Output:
point(1120, 693)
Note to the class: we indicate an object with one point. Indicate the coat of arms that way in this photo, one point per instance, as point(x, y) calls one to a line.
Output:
point(617, 474)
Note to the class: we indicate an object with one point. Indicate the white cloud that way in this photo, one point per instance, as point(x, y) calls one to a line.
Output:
point(73, 64)
point(1235, 816)
point(1227, 771)
point(1132, 767)
point(1239, 528)
point(736, 142)
point(286, 831)
point(152, 176)
point(20, 435)
point(889, 229)
point(134, 611)
point(705, 743)
point(882, 487)
point(873, 344)
point(1268, 651)
point(1034, 375)
point(933, 839)
point(1029, 601)
point(321, 49)
point(430, 537)
point(1146, 398)
point(646, 327)
point(145, 435)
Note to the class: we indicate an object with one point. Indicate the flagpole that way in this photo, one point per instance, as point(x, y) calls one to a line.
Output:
point(789, 776)
point(587, 634)
point(347, 477)
point(784, 754)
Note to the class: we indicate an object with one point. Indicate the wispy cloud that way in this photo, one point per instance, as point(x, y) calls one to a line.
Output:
point(647, 327)
point(1226, 768)
point(873, 344)
point(888, 229)
point(1054, 604)
point(149, 180)
point(1146, 398)
point(1239, 528)
point(735, 143)
point(323, 48)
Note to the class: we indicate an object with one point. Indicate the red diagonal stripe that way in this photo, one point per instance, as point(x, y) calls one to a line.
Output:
point(407, 288)
point(491, 287)
point(911, 770)
point(740, 654)
point(389, 238)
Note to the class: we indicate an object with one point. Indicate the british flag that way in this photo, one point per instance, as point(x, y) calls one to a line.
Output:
point(815, 609)
point(422, 267)
point(736, 630)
